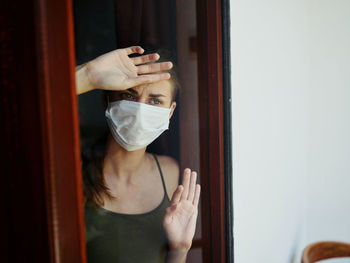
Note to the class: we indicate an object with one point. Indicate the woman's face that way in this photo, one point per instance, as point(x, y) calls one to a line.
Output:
point(158, 94)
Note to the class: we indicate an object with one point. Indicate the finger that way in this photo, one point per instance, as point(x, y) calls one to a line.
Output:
point(167, 216)
point(154, 67)
point(192, 187)
point(196, 195)
point(145, 59)
point(133, 50)
point(150, 78)
point(176, 196)
point(185, 183)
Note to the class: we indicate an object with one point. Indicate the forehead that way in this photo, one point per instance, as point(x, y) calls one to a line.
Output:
point(161, 87)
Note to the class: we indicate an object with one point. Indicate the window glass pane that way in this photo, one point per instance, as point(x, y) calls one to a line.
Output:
point(119, 212)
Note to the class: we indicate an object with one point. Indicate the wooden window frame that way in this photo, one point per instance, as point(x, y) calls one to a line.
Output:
point(55, 197)
point(215, 128)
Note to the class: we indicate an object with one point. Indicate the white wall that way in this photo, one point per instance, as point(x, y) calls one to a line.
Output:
point(328, 206)
point(291, 126)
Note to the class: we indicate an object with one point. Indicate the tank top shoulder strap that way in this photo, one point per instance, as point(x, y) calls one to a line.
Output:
point(161, 175)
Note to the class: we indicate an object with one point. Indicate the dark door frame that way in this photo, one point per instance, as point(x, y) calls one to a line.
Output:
point(227, 108)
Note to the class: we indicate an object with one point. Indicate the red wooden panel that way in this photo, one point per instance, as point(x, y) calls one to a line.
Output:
point(43, 211)
point(211, 129)
point(23, 211)
point(60, 117)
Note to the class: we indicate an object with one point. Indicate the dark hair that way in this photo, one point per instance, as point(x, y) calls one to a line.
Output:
point(94, 184)
point(165, 55)
point(93, 157)
point(174, 80)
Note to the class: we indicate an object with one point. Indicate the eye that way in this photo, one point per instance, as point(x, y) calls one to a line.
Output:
point(155, 101)
point(127, 96)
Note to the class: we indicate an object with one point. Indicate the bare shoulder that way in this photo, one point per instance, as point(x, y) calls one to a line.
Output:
point(170, 169)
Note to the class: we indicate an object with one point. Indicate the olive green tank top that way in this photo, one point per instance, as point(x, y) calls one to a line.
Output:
point(126, 238)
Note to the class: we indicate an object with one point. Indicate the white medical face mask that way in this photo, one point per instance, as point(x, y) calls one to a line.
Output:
point(135, 125)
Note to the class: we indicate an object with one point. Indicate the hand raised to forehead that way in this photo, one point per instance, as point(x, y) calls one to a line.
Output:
point(117, 71)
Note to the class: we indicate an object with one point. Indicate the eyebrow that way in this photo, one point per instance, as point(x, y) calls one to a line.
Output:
point(156, 95)
point(152, 95)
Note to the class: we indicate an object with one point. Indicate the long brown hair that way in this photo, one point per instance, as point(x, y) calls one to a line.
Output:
point(94, 185)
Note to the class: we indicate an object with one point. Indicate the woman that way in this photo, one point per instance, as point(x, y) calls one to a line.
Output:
point(129, 215)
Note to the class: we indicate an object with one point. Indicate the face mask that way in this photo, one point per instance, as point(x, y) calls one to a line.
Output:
point(135, 125)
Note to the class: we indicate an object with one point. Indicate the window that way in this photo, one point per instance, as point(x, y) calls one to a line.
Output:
point(55, 107)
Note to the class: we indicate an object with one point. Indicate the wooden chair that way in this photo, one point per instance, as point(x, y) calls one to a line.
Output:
point(323, 250)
